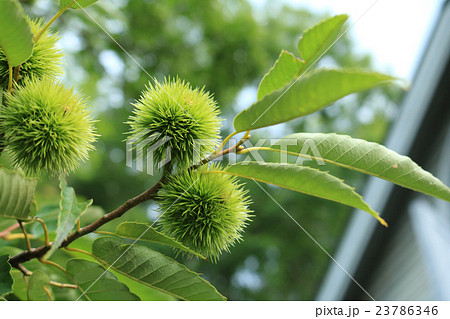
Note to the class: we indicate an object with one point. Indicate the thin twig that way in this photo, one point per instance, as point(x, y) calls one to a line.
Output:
point(44, 227)
point(53, 264)
point(5, 232)
point(40, 251)
point(24, 271)
point(222, 145)
point(49, 23)
point(233, 149)
point(10, 80)
point(60, 285)
point(80, 250)
point(27, 240)
point(27, 272)
point(48, 293)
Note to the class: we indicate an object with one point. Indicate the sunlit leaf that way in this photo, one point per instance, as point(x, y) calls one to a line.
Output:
point(282, 72)
point(306, 95)
point(366, 157)
point(318, 39)
point(16, 39)
point(16, 195)
point(39, 288)
point(153, 269)
point(70, 212)
point(97, 283)
point(77, 4)
point(305, 180)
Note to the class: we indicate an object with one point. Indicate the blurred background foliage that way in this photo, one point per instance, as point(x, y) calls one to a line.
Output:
point(226, 46)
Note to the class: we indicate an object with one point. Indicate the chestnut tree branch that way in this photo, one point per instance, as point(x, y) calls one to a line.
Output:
point(118, 212)
point(39, 252)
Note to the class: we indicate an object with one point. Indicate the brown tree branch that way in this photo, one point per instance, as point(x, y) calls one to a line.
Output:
point(118, 212)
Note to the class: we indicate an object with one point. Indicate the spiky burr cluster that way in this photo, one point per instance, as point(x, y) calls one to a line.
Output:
point(206, 210)
point(46, 126)
point(173, 116)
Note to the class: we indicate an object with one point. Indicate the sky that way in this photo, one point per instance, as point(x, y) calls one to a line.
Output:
point(394, 31)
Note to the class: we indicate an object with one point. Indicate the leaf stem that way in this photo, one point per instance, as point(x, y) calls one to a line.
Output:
point(80, 251)
point(27, 272)
point(10, 81)
point(243, 139)
point(48, 293)
point(24, 271)
point(262, 148)
point(51, 263)
point(222, 145)
point(44, 227)
point(60, 285)
point(16, 236)
point(49, 23)
point(104, 232)
point(235, 148)
point(27, 239)
point(48, 262)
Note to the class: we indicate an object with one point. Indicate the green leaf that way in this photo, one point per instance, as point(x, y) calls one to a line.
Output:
point(78, 4)
point(313, 43)
point(135, 230)
point(317, 40)
point(10, 250)
point(20, 285)
point(16, 38)
point(98, 284)
point(306, 95)
point(70, 212)
point(153, 269)
point(282, 72)
point(366, 157)
point(91, 215)
point(39, 288)
point(16, 195)
point(143, 292)
point(6, 281)
point(305, 180)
